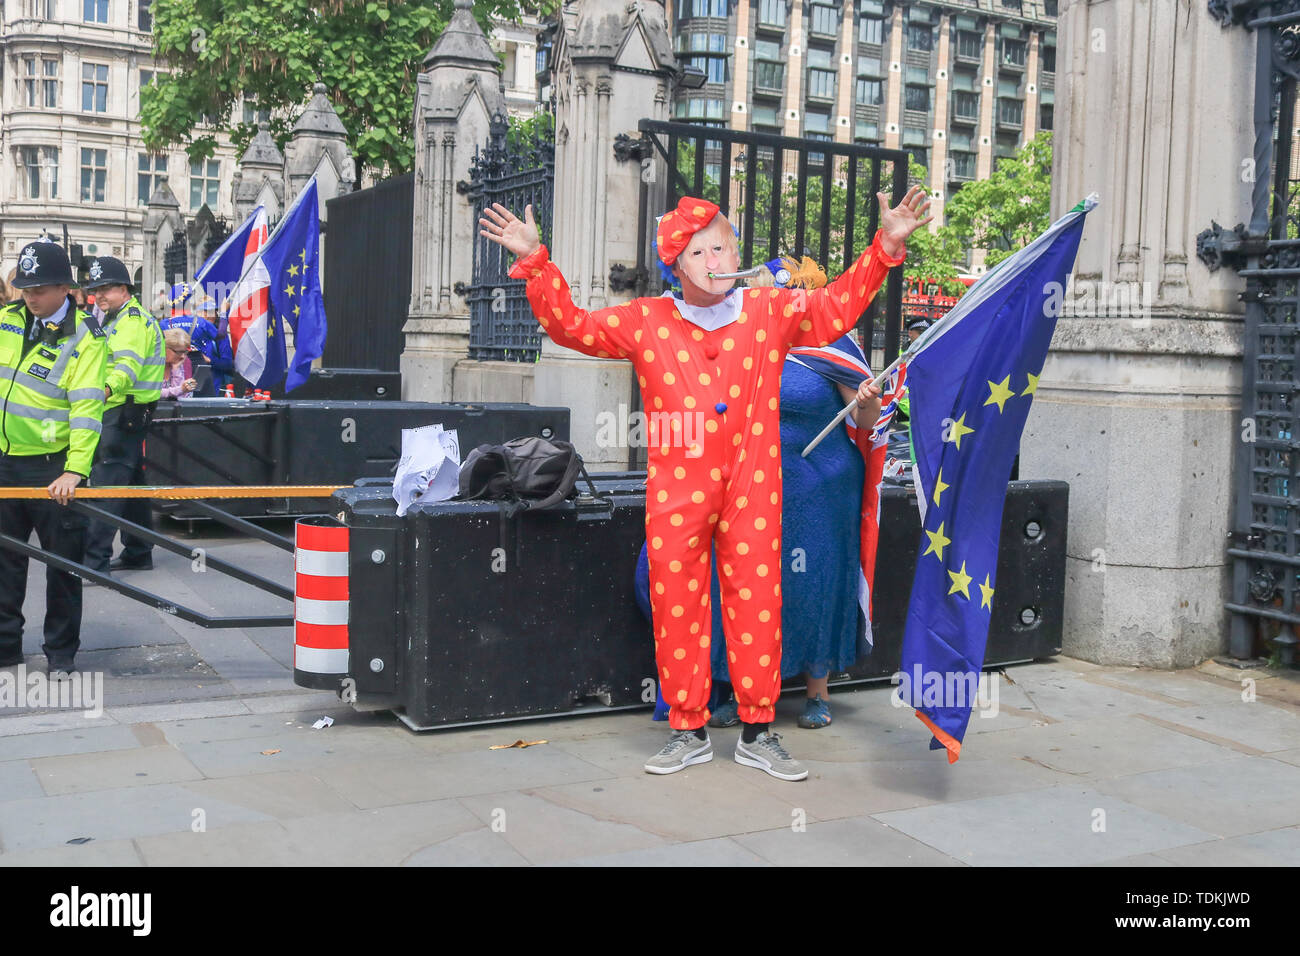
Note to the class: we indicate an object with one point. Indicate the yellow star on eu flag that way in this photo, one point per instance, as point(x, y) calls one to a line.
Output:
point(270, 331)
point(960, 582)
point(957, 430)
point(940, 486)
point(999, 392)
point(937, 542)
point(986, 594)
point(293, 270)
point(1032, 387)
point(296, 310)
point(288, 290)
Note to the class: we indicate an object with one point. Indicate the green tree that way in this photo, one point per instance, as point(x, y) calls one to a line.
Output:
point(1007, 211)
point(366, 52)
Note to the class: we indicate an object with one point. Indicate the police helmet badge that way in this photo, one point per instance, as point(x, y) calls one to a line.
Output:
point(96, 271)
point(28, 262)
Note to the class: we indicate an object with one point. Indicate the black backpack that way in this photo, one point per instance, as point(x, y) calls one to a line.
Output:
point(531, 473)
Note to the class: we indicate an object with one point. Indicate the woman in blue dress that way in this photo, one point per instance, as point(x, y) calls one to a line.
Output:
point(824, 606)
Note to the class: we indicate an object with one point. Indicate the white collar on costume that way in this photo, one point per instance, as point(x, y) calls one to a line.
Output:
point(709, 317)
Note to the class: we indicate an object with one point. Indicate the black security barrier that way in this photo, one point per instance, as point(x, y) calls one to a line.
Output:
point(214, 441)
point(346, 384)
point(460, 616)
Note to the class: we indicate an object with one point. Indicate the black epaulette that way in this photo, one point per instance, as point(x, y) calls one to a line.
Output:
point(92, 325)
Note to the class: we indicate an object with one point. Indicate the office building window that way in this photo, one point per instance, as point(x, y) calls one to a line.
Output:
point(963, 80)
point(94, 87)
point(960, 139)
point(821, 84)
point(1049, 8)
point(94, 11)
point(871, 30)
point(1013, 52)
point(965, 105)
point(963, 165)
point(1011, 112)
point(1008, 86)
point(1012, 5)
point(152, 170)
point(144, 18)
point(94, 174)
point(769, 70)
point(253, 115)
point(764, 116)
point(918, 75)
point(870, 92)
point(39, 9)
point(699, 108)
point(916, 98)
point(825, 20)
point(920, 36)
point(970, 46)
point(705, 8)
point(205, 181)
point(50, 84)
point(1045, 116)
point(1049, 59)
point(771, 13)
point(867, 132)
point(38, 172)
point(821, 75)
point(40, 82)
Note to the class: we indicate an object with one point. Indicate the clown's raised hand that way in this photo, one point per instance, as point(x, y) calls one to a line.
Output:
point(904, 219)
point(506, 229)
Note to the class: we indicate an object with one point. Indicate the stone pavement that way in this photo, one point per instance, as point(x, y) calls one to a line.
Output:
point(205, 755)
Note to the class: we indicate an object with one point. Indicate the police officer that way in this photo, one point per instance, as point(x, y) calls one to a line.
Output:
point(52, 366)
point(915, 329)
point(132, 386)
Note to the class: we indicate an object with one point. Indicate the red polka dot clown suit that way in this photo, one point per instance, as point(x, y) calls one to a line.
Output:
point(714, 475)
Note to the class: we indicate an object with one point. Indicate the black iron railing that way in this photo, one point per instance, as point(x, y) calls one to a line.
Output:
point(516, 171)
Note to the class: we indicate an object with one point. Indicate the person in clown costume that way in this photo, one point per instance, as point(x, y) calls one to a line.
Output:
point(709, 365)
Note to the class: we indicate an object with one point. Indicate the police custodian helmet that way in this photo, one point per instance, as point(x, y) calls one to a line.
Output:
point(43, 263)
point(105, 270)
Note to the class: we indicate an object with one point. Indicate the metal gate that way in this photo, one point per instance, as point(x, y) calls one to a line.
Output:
point(787, 196)
point(1265, 540)
point(368, 275)
point(516, 171)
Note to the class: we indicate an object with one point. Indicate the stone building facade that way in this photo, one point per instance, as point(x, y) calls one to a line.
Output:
point(71, 152)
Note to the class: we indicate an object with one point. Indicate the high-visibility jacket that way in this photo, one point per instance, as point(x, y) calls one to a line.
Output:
point(136, 366)
point(51, 388)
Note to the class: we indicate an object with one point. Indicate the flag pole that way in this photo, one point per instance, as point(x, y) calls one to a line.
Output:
point(844, 412)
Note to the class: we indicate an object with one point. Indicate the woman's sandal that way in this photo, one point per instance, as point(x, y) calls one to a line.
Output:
point(816, 713)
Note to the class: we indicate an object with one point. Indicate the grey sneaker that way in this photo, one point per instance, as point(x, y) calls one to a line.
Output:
point(767, 754)
point(682, 750)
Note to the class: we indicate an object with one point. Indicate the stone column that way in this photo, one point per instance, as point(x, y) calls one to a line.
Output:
point(1138, 404)
point(614, 67)
point(458, 92)
point(162, 223)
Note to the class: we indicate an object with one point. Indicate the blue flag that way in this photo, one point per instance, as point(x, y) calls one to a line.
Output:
point(292, 260)
point(972, 378)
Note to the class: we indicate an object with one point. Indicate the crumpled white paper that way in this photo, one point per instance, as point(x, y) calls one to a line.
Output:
point(429, 469)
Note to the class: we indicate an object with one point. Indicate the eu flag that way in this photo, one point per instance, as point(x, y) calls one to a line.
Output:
point(292, 260)
point(972, 378)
